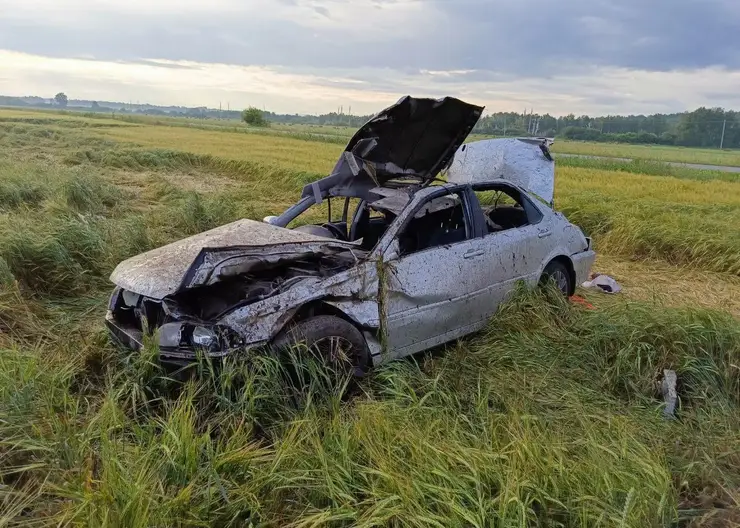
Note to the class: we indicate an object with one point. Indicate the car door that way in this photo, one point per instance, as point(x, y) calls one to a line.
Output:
point(432, 292)
point(516, 248)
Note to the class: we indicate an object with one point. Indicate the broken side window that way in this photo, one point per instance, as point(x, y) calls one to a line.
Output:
point(505, 207)
point(368, 225)
point(439, 221)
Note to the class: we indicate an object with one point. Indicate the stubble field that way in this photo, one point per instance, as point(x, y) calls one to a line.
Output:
point(551, 417)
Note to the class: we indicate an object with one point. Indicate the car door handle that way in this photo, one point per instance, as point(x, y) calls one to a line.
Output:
point(473, 253)
point(544, 233)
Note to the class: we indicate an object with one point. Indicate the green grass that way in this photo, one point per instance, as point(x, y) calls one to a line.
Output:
point(681, 221)
point(524, 435)
point(650, 167)
point(550, 417)
point(340, 135)
point(650, 152)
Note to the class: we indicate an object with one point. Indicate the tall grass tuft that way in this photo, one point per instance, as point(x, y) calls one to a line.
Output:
point(88, 194)
point(194, 214)
point(14, 193)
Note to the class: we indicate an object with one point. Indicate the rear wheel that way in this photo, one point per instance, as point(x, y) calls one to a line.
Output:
point(556, 272)
point(330, 339)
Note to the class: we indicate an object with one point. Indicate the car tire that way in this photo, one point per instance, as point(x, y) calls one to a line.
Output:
point(557, 272)
point(329, 335)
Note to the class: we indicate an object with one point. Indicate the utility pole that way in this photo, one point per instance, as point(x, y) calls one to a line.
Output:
point(722, 140)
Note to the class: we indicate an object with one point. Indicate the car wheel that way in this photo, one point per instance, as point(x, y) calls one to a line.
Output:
point(557, 272)
point(332, 339)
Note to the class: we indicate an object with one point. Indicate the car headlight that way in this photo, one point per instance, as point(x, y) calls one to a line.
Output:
point(204, 337)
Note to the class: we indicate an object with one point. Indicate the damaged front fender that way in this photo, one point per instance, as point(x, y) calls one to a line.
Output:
point(353, 292)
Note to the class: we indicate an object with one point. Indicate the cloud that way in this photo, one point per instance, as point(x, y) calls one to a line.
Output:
point(478, 47)
point(598, 91)
point(513, 36)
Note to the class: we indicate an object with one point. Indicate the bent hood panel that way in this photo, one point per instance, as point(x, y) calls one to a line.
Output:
point(414, 138)
point(160, 272)
point(522, 162)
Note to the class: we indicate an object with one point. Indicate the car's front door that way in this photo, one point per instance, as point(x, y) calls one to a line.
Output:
point(433, 286)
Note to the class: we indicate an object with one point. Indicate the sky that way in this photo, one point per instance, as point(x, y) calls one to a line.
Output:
point(591, 57)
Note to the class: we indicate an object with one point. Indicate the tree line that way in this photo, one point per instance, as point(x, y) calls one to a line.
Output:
point(703, 127)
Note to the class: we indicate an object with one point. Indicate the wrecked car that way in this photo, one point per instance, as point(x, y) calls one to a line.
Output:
point(406, 260)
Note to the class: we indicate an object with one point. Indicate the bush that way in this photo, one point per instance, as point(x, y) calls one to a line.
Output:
point(641, 137)
point(254, 116)
point(581, 134)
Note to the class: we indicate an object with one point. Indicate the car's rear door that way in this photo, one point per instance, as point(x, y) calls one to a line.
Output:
point(515, 250)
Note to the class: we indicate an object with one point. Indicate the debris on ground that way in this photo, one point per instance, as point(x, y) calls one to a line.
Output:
point(604, 282)
point(669, 393)
point(577, 299)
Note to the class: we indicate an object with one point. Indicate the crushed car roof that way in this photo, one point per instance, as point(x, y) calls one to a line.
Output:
point(412, 140)
point(525, 162)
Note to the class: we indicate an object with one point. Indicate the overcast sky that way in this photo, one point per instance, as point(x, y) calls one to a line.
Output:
point(307, 56)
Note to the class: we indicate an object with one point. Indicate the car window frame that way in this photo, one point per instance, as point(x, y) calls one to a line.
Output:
point(527, 204)
point(469, 217)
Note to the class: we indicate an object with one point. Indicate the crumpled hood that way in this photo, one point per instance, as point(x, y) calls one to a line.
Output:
point(412, 139)
point(525, 162)
point(172, 268)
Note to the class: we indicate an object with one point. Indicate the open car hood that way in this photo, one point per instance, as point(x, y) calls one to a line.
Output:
point(525, 162)
point(412, 140)
point(204, 258)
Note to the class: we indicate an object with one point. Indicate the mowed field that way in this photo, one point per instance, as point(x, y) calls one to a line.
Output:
point(550, 417)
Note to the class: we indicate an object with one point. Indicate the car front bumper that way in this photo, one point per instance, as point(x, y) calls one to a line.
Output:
point(132, 339)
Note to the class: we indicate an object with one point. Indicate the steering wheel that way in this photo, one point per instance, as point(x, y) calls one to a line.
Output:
point(336, 231)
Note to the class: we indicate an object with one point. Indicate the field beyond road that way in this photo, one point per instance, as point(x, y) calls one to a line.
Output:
point(550, 417)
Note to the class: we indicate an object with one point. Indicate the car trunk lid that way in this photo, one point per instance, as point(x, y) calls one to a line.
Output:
point(525, 162)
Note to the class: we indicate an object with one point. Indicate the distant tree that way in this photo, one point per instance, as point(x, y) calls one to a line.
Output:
point(61, 99)
point(254, 116)
point(703, 128)
point(95, 105)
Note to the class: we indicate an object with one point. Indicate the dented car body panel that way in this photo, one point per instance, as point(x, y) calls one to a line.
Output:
point(525, 162)
point(194, 260)
point(411, 140)
point(412, 267)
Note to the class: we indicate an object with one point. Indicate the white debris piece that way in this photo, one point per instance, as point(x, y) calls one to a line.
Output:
point(669, 392)
point(604, 282)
